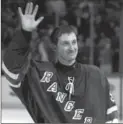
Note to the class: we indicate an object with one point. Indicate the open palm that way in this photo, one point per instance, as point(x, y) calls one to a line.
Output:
point(28, 21)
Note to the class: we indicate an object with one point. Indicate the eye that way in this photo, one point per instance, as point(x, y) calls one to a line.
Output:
point(65, 43)
point(74, 42)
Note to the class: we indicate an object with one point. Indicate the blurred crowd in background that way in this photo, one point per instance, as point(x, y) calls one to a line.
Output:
point(96, 23)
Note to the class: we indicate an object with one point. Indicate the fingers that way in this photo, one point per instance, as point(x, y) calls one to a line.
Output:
point(20, 12)
point(30, 8)
point(27, 8)
point(39, 20)
point(35, 10)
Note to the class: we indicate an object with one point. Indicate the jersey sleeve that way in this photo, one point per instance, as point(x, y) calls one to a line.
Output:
point(111, 107)
point(15, 60)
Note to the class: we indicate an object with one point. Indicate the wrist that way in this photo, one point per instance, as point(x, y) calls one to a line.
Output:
point(27, 34)
point(28, 29)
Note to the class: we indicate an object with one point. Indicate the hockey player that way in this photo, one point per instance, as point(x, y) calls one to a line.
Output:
point(61, 92)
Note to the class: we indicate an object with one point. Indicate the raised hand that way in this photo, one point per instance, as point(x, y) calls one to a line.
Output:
point(28, 21)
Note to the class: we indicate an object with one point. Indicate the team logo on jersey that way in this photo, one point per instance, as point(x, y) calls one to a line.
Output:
point(52, 87)
point(46, 77)
point(69, 106)
point(60, 97)
point(78, 114)
point(88, 120)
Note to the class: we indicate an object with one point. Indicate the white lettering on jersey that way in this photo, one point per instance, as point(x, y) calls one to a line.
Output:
point(69, 106)
point(78, 114)
point(46, 77)
point(52, 87)
point(88, 120)
point(60, 97)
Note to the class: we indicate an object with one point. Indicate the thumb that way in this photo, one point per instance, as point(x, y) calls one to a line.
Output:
point(39, 20)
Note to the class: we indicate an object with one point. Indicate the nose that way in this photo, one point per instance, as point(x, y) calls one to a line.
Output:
point(71, 47)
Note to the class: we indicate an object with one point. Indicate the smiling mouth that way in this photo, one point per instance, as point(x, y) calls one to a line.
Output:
point(71, 54)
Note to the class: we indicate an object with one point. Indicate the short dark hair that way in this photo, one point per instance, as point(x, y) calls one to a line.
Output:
point(58, 31)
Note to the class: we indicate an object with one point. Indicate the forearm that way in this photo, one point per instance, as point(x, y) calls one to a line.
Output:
point(112, 109)
point(16, 54)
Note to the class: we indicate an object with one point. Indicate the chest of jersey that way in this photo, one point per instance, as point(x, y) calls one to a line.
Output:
point(53, 88)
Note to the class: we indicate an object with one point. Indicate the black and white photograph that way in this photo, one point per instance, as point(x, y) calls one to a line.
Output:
point(62, 61)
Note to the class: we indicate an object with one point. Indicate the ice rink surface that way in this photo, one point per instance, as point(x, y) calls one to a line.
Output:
point(16, 116)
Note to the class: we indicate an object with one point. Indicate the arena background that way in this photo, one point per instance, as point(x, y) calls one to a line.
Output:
point(99, 36)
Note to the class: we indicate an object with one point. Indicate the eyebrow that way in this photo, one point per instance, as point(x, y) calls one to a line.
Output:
point(71, 40)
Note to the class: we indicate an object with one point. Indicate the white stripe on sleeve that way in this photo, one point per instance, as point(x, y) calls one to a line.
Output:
point(15, 85)
point(113, 121)
point(10, 74)
point(112, 109)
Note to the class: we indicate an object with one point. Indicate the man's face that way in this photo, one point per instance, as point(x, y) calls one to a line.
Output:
point(67, 47)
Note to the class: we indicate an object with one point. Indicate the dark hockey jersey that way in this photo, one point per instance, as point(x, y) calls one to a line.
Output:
point(54, 93)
